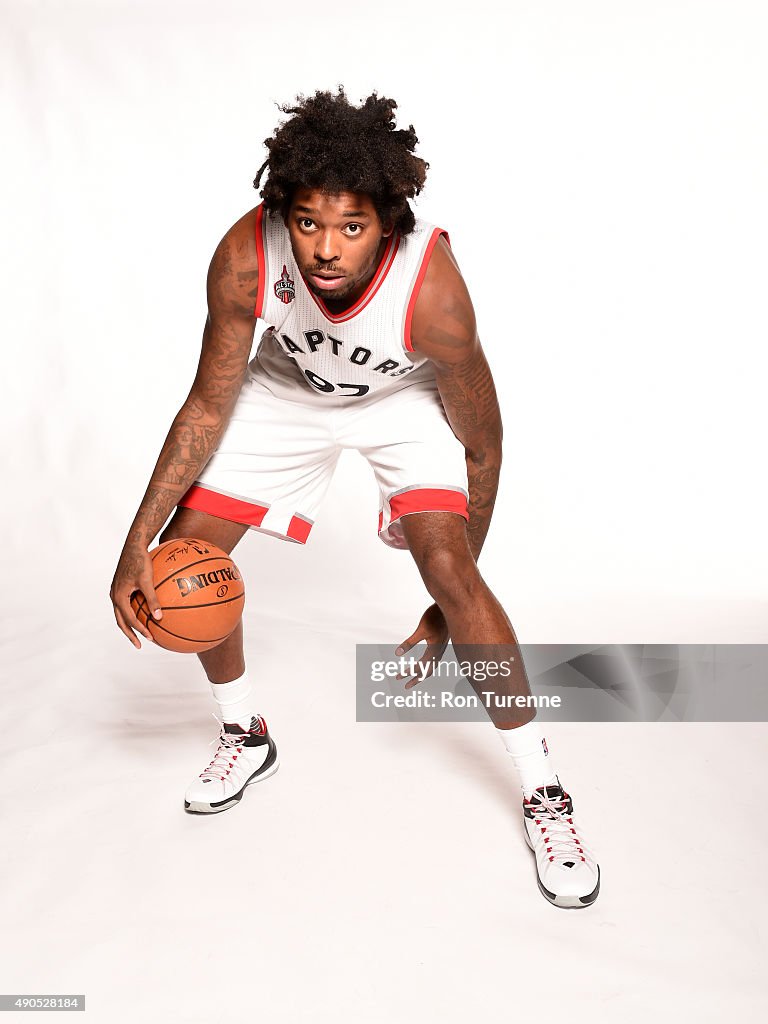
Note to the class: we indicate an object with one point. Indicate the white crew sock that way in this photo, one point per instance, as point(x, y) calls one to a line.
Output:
point(528, 749)
point(235, 701)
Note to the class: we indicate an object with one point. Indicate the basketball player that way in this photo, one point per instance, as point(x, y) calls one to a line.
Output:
point(372, 346)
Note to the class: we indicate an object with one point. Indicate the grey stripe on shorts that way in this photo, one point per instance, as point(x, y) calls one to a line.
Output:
point(428, 487)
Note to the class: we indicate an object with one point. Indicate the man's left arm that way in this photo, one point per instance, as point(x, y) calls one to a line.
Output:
point(444, 330)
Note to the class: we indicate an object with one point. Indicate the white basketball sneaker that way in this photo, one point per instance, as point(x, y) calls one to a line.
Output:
point(240, 759)
point(569, 875)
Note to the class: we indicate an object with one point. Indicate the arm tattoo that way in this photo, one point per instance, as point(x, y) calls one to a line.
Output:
point(201, 421)
point(469, 398)
point(191, 440)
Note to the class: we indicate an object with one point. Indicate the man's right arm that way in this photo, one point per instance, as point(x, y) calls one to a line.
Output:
point(199, 423)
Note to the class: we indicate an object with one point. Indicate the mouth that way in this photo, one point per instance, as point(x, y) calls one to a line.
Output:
point(327, 281)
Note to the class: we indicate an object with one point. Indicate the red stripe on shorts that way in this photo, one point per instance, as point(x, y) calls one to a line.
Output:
point(428, 499)
point(222, 506)
point(298, 529)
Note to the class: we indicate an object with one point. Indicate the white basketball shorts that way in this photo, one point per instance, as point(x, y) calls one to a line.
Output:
point(277, 457)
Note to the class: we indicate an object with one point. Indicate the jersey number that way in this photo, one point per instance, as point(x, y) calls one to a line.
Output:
point(324, 385)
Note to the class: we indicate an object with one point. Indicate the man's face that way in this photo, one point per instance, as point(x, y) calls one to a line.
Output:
point(335, 240)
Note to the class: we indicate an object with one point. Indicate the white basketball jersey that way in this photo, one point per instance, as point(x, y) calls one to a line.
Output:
point(310, 352)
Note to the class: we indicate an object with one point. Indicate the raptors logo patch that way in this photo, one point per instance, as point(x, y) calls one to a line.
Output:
point(285, 288)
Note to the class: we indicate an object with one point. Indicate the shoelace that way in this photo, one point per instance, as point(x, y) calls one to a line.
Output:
point(556, 830)
point(226, 754)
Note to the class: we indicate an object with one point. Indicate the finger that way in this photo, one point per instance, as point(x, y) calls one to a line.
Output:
point(408, 645)
point(409, 642)
point(128, 632)
point(410, 675)
point(433, 654)
point(429, 661)
point(146, 585)
point(135, 623)
point(130, 617)
point(419, 673)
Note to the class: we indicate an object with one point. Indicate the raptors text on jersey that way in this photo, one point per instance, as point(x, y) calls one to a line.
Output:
point(366, 349)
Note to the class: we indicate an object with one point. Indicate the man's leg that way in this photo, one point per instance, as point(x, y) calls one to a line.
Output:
point(481, 633)
point(568, 874)
point(246, 752)
point(439, 545)
point(225, 662)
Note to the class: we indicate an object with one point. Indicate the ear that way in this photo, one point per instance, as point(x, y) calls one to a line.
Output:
point(389, 227)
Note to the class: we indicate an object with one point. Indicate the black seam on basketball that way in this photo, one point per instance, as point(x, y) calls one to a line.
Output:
point(142, 607)
point(186, 607)
point(140, 601)
point(208, 604)
point(189, 639)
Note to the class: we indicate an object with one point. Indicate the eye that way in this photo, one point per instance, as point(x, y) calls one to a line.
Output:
point(357, 228)
point(306, 223)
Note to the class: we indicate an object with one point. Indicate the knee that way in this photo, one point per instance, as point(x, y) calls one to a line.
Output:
point(187, 523)
point(169, 533)
point(450, 578)
point(179, 527)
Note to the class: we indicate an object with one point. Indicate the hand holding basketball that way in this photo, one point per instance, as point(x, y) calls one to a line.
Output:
point(198, 589)
point(134, 572)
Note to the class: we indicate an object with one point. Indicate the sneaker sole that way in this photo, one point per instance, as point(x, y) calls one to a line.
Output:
point(565, 902)
point(198, 807)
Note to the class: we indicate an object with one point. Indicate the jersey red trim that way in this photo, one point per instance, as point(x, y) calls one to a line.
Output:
point(419, 281)
point(374, 284)
point(262, 263)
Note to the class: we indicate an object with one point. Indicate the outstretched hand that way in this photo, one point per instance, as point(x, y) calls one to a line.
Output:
point(433, 630)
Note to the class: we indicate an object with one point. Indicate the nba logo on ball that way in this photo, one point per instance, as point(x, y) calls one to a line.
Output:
point(544, 745)
point(285, 289)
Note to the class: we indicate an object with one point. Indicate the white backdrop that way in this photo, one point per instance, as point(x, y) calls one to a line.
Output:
point(601, 169)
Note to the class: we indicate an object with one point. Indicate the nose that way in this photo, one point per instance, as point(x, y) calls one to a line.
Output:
point(326, 249)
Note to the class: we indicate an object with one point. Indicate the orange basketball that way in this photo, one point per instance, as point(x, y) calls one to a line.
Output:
point(200, 591)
